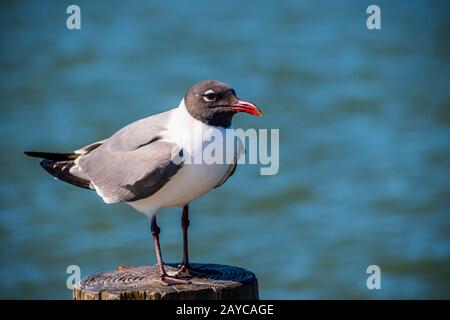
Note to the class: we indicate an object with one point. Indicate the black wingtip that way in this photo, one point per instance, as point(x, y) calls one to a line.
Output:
point(52, 156)
point(37, 154)
point(31, 153)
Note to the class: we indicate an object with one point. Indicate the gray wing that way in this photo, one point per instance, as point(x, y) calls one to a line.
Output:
point(232, 168)
point(228, 173)
point(134, 163)
point(89, 147)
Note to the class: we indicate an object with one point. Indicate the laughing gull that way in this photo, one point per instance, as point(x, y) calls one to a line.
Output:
point(144, 164)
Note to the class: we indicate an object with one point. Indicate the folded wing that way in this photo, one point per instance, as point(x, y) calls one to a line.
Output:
point(131, 165)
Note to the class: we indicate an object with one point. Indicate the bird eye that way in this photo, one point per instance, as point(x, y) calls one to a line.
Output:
point(209, 96)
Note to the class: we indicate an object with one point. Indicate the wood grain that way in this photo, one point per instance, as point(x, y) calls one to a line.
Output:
point(215, 282)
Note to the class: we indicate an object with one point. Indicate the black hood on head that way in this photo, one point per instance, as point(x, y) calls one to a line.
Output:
point(210, 101)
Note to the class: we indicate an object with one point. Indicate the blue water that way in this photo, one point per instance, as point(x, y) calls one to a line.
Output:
point(364, 119)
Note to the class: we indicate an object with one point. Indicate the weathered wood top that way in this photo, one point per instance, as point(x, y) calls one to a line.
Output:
point(216, 282)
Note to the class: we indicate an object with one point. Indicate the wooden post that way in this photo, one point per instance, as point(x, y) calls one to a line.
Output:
point(216, 282)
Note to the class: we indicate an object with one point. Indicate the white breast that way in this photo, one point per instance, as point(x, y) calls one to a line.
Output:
point(192, 180)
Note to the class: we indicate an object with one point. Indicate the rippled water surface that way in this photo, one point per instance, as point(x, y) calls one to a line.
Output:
point(364, 121)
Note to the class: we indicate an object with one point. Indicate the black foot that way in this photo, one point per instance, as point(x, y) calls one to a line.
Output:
point(167, 280)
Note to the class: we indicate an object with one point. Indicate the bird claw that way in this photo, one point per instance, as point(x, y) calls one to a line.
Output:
point(167, 280)
point(186, 272)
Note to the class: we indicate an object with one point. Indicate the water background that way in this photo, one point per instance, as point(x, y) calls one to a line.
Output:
point(364, 119)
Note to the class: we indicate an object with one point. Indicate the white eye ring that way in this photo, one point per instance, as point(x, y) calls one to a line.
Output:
point(209, 96)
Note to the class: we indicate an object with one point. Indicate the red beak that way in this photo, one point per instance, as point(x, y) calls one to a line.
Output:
point(248, 107)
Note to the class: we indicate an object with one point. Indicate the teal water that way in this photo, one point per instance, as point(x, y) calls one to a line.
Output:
point(364, 123)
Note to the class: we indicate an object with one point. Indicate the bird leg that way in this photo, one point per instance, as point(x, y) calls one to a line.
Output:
point(164, 278)
point(185, 270)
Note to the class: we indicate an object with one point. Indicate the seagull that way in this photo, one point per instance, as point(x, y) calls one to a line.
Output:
point(145, 165)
